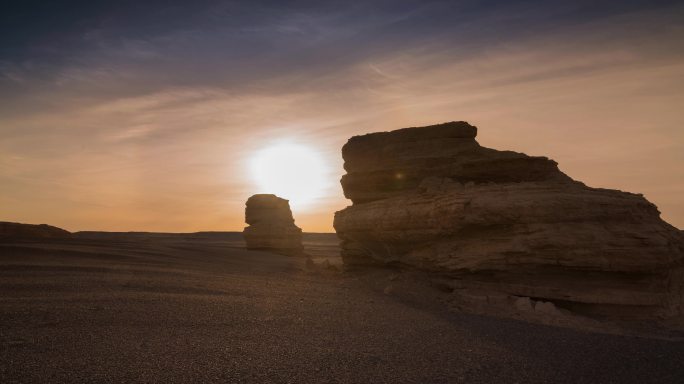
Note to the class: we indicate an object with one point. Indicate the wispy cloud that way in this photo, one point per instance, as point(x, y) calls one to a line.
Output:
point(151, 128)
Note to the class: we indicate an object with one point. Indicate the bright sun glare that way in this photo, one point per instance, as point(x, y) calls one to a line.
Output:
point(291, 171)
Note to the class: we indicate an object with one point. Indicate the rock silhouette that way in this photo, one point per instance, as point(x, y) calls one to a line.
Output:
point(271, 226)
point(507, 232)
point(9, 230)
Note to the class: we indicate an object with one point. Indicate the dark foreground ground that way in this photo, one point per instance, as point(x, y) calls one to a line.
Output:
point(136, 308)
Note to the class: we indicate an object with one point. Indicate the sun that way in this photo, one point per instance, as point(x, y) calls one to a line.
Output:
point(292, 171)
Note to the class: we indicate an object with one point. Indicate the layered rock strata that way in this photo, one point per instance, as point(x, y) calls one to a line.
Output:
point(271, 226)
point(506, 230)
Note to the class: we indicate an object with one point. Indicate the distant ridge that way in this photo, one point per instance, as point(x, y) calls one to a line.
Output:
point(194, 235)
point(10, 230)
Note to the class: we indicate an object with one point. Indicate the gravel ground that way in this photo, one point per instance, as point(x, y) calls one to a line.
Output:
point(205, 310)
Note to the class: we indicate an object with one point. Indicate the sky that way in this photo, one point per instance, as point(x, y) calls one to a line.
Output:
point(146, 116)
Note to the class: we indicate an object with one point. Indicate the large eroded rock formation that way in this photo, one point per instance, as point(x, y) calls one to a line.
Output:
point(504, 229)
point(271, 226)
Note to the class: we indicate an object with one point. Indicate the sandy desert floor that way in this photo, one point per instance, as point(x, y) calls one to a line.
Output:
point(162, 308)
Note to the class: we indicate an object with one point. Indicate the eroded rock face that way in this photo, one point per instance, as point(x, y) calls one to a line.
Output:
point(271, 226)
point(507, 231)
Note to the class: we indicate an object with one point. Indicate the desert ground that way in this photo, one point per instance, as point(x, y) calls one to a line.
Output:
point(163, 308)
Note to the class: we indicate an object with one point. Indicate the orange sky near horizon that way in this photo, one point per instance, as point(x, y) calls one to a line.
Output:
point(602, 99)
